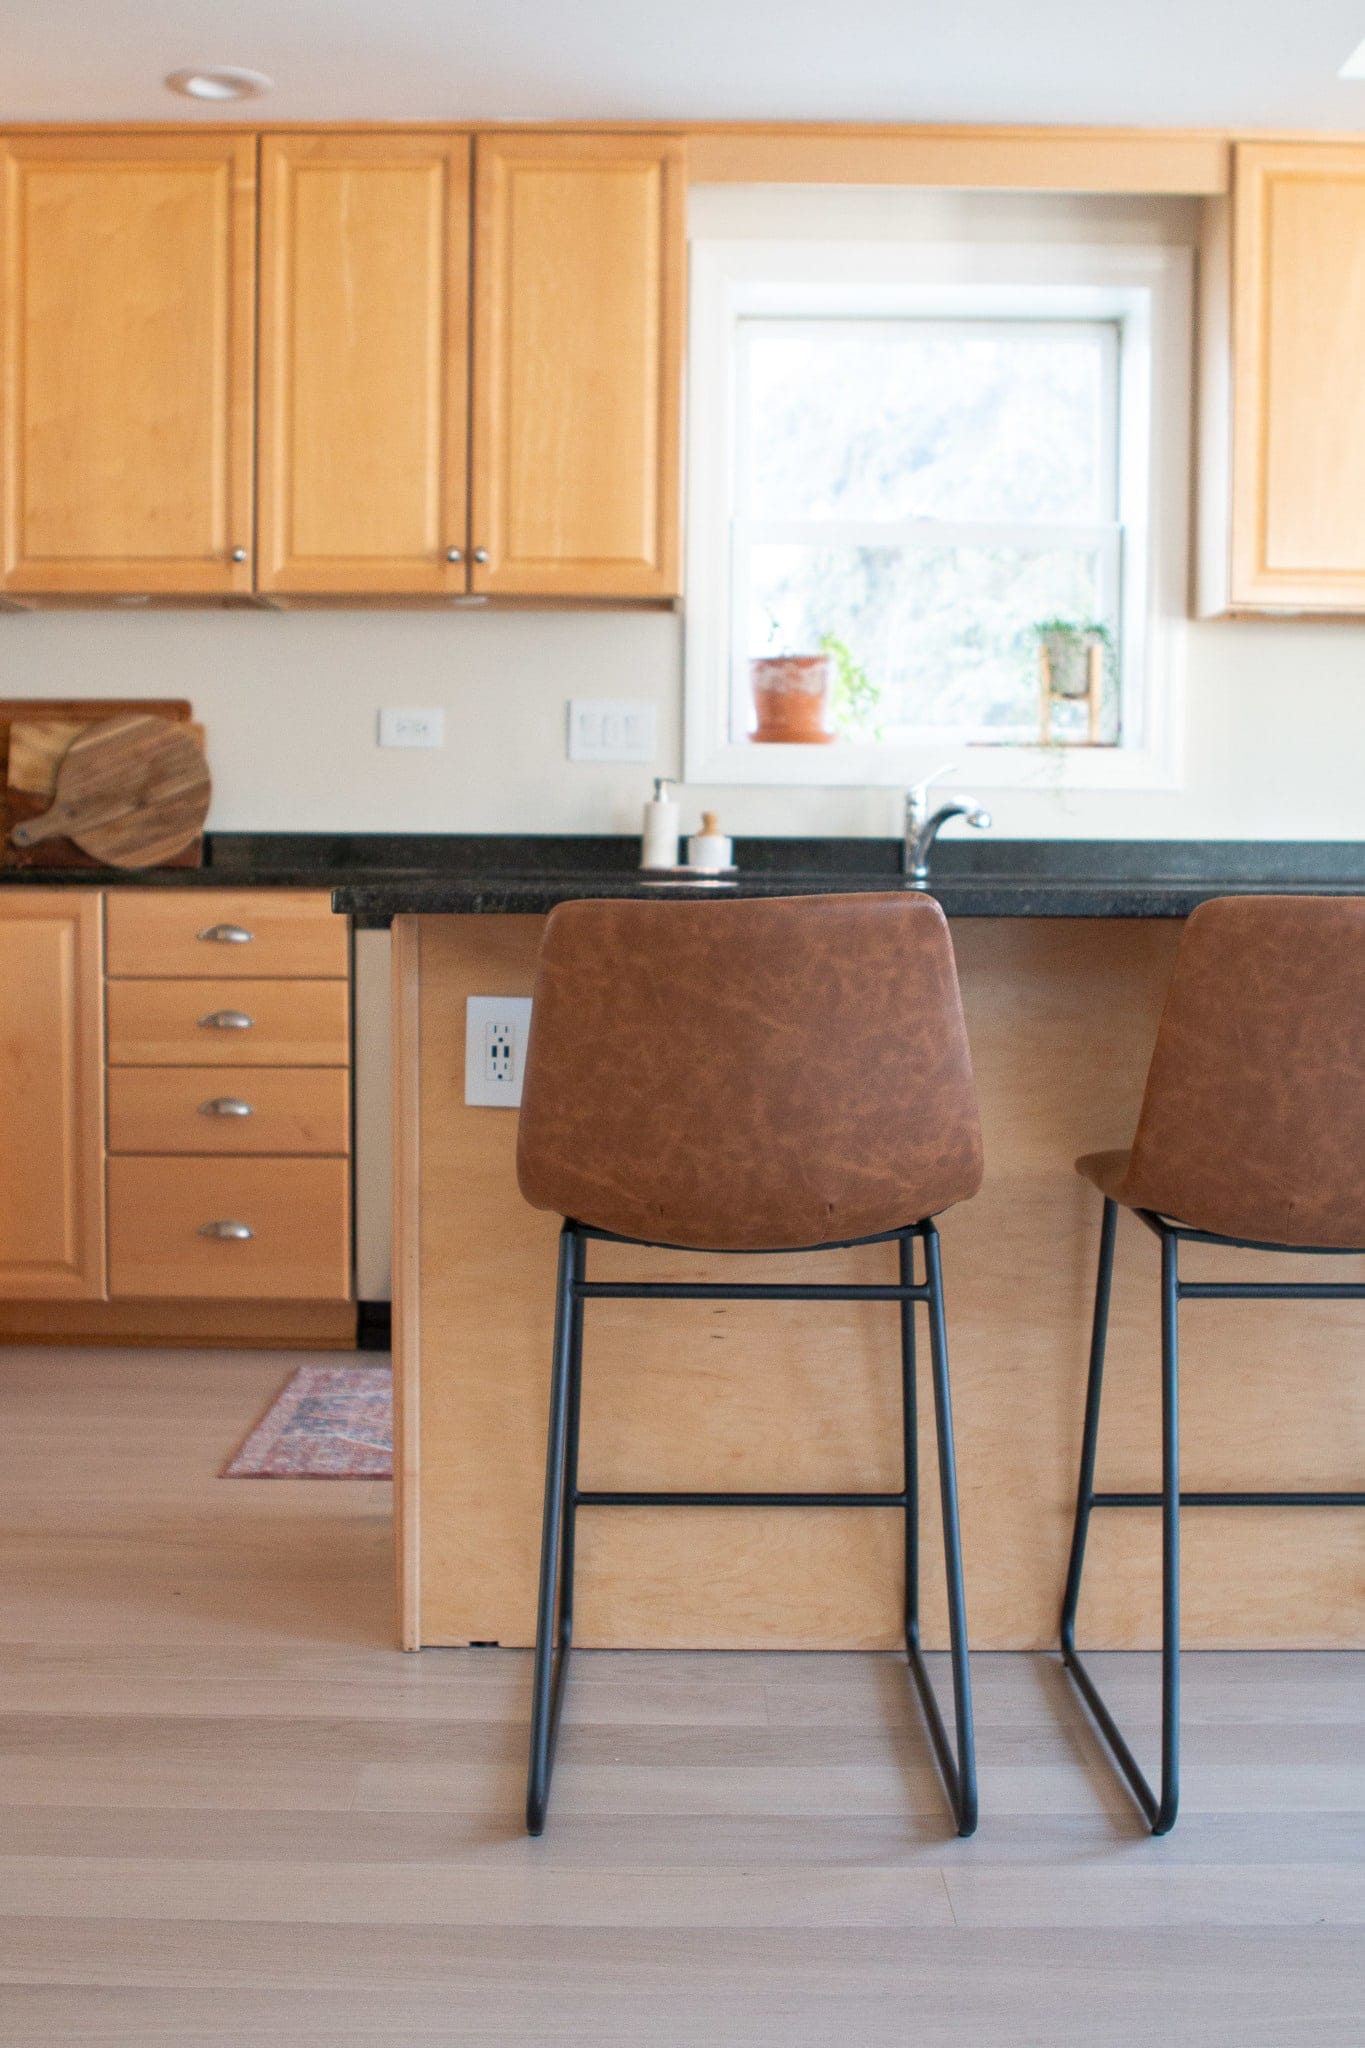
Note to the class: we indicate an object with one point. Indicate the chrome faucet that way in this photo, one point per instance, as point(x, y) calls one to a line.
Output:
point(922, 826)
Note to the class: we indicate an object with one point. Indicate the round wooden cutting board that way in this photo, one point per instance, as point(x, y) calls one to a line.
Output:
point(130, 792)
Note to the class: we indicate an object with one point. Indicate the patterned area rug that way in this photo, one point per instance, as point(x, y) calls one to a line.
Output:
point(330, 1422)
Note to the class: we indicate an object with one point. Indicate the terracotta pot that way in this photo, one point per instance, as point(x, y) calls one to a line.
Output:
point(792, 699)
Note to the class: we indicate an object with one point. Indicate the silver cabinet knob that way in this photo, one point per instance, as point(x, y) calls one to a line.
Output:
point(225, 1105)
point(226, 935)
point(480, 554)
point(454, 554)
point(224, 1227)
point(226, 1020)
point(239, 554)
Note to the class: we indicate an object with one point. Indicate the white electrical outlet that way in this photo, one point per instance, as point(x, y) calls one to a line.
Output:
point(412, 728)
point(495, 1050)
point(611, 729)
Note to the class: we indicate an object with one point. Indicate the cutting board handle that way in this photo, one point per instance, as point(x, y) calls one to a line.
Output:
point(54, 823)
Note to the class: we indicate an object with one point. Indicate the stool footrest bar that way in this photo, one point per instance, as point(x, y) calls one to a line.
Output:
point(757, 1290)
point(1232, 1500)
point(615, 1499)
point(1269, 1290)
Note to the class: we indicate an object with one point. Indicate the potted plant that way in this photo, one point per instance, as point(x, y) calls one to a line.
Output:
point(792, 695)
point(854, 699)
point(1075, 658)
point(1067, 643)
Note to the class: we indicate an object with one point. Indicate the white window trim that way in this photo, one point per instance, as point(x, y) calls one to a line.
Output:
point(1149, 288)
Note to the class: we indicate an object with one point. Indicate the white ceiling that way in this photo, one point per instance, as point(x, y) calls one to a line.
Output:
point(1180, 62)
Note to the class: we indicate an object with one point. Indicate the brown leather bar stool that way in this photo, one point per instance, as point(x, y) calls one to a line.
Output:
point(1252, 1133)
point(748, 1076)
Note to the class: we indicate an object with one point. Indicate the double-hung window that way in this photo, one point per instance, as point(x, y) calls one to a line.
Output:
point(925, 464)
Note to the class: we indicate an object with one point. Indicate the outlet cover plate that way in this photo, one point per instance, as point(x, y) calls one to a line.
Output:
point(612, 729)
point(495, 1034)
point(398, 728)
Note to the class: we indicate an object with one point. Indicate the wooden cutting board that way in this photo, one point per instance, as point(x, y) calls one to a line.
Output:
point(30, 728)
point(130, 792)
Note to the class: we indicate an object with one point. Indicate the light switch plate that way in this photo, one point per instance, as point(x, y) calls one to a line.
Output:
point(495, 1035)
point(611, 729)
point(412, 728)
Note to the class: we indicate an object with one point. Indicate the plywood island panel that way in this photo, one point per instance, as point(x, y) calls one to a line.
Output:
point(1061, 1015)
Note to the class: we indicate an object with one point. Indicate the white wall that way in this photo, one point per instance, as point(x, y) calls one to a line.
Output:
point(1276, 724)
point(1275, 710)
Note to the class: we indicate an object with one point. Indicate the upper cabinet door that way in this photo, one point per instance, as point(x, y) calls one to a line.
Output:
point(364, 363)
point(129, 292)
point(1298, 400)
point(578, 312)
point(51, 1095)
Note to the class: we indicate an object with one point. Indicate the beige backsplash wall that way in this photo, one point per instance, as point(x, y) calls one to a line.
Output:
point(1275, 724)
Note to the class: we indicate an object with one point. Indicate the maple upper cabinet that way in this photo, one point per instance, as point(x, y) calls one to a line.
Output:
point(127, 274)
point(362, 481)
point(578, 338)
point(1282, 348)
point(51, 1095)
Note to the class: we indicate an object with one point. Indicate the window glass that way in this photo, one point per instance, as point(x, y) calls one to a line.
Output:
point(922, 496)
point(921, 419)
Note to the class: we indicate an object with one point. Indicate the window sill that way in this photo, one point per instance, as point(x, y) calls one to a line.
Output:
point(848, 765)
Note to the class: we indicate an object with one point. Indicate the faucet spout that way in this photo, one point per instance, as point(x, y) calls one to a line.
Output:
point(922, 828)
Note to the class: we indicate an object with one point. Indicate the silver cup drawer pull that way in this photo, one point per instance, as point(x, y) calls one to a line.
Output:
point(226, 1020)
point(226, 1228)
point(226, 935)
point(225, 1105)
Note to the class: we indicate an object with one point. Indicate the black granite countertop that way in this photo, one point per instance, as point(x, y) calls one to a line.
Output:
point(979, 877)
point(378, 876)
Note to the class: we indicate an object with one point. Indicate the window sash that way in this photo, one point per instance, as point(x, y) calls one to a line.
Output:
point(1103, 538)
point(1105, 541)
point(1104, 334)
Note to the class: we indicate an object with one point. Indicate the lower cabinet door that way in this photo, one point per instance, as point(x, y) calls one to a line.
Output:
point(239, 1229)
point(51, 1096)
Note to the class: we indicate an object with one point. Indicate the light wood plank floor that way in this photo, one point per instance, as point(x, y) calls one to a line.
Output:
point(234, 1815)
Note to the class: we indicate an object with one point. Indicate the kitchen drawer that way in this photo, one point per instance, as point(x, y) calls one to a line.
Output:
point(297, 1211)
point(229, 1109)
point(169, 1023)
point(254, 933)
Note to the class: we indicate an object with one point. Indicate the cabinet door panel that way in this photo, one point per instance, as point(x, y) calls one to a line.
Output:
point(129, 289)
point(1299, 396)
point(51, 1096)
point(364, 362)
point(578, 306)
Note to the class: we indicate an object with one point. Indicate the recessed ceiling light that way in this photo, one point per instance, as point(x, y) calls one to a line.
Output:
point(1354, 67)
point(220, 82)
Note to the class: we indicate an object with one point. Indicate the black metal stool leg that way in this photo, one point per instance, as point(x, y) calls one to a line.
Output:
point(959, 1773)
point(1170, 1536)
point(1159, 1813)
point(910, 1440)
point(548, 1681)
point(1085, 1492)
point(569, 1518)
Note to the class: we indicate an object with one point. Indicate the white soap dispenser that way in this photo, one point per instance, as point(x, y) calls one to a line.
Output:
point(663, 821)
